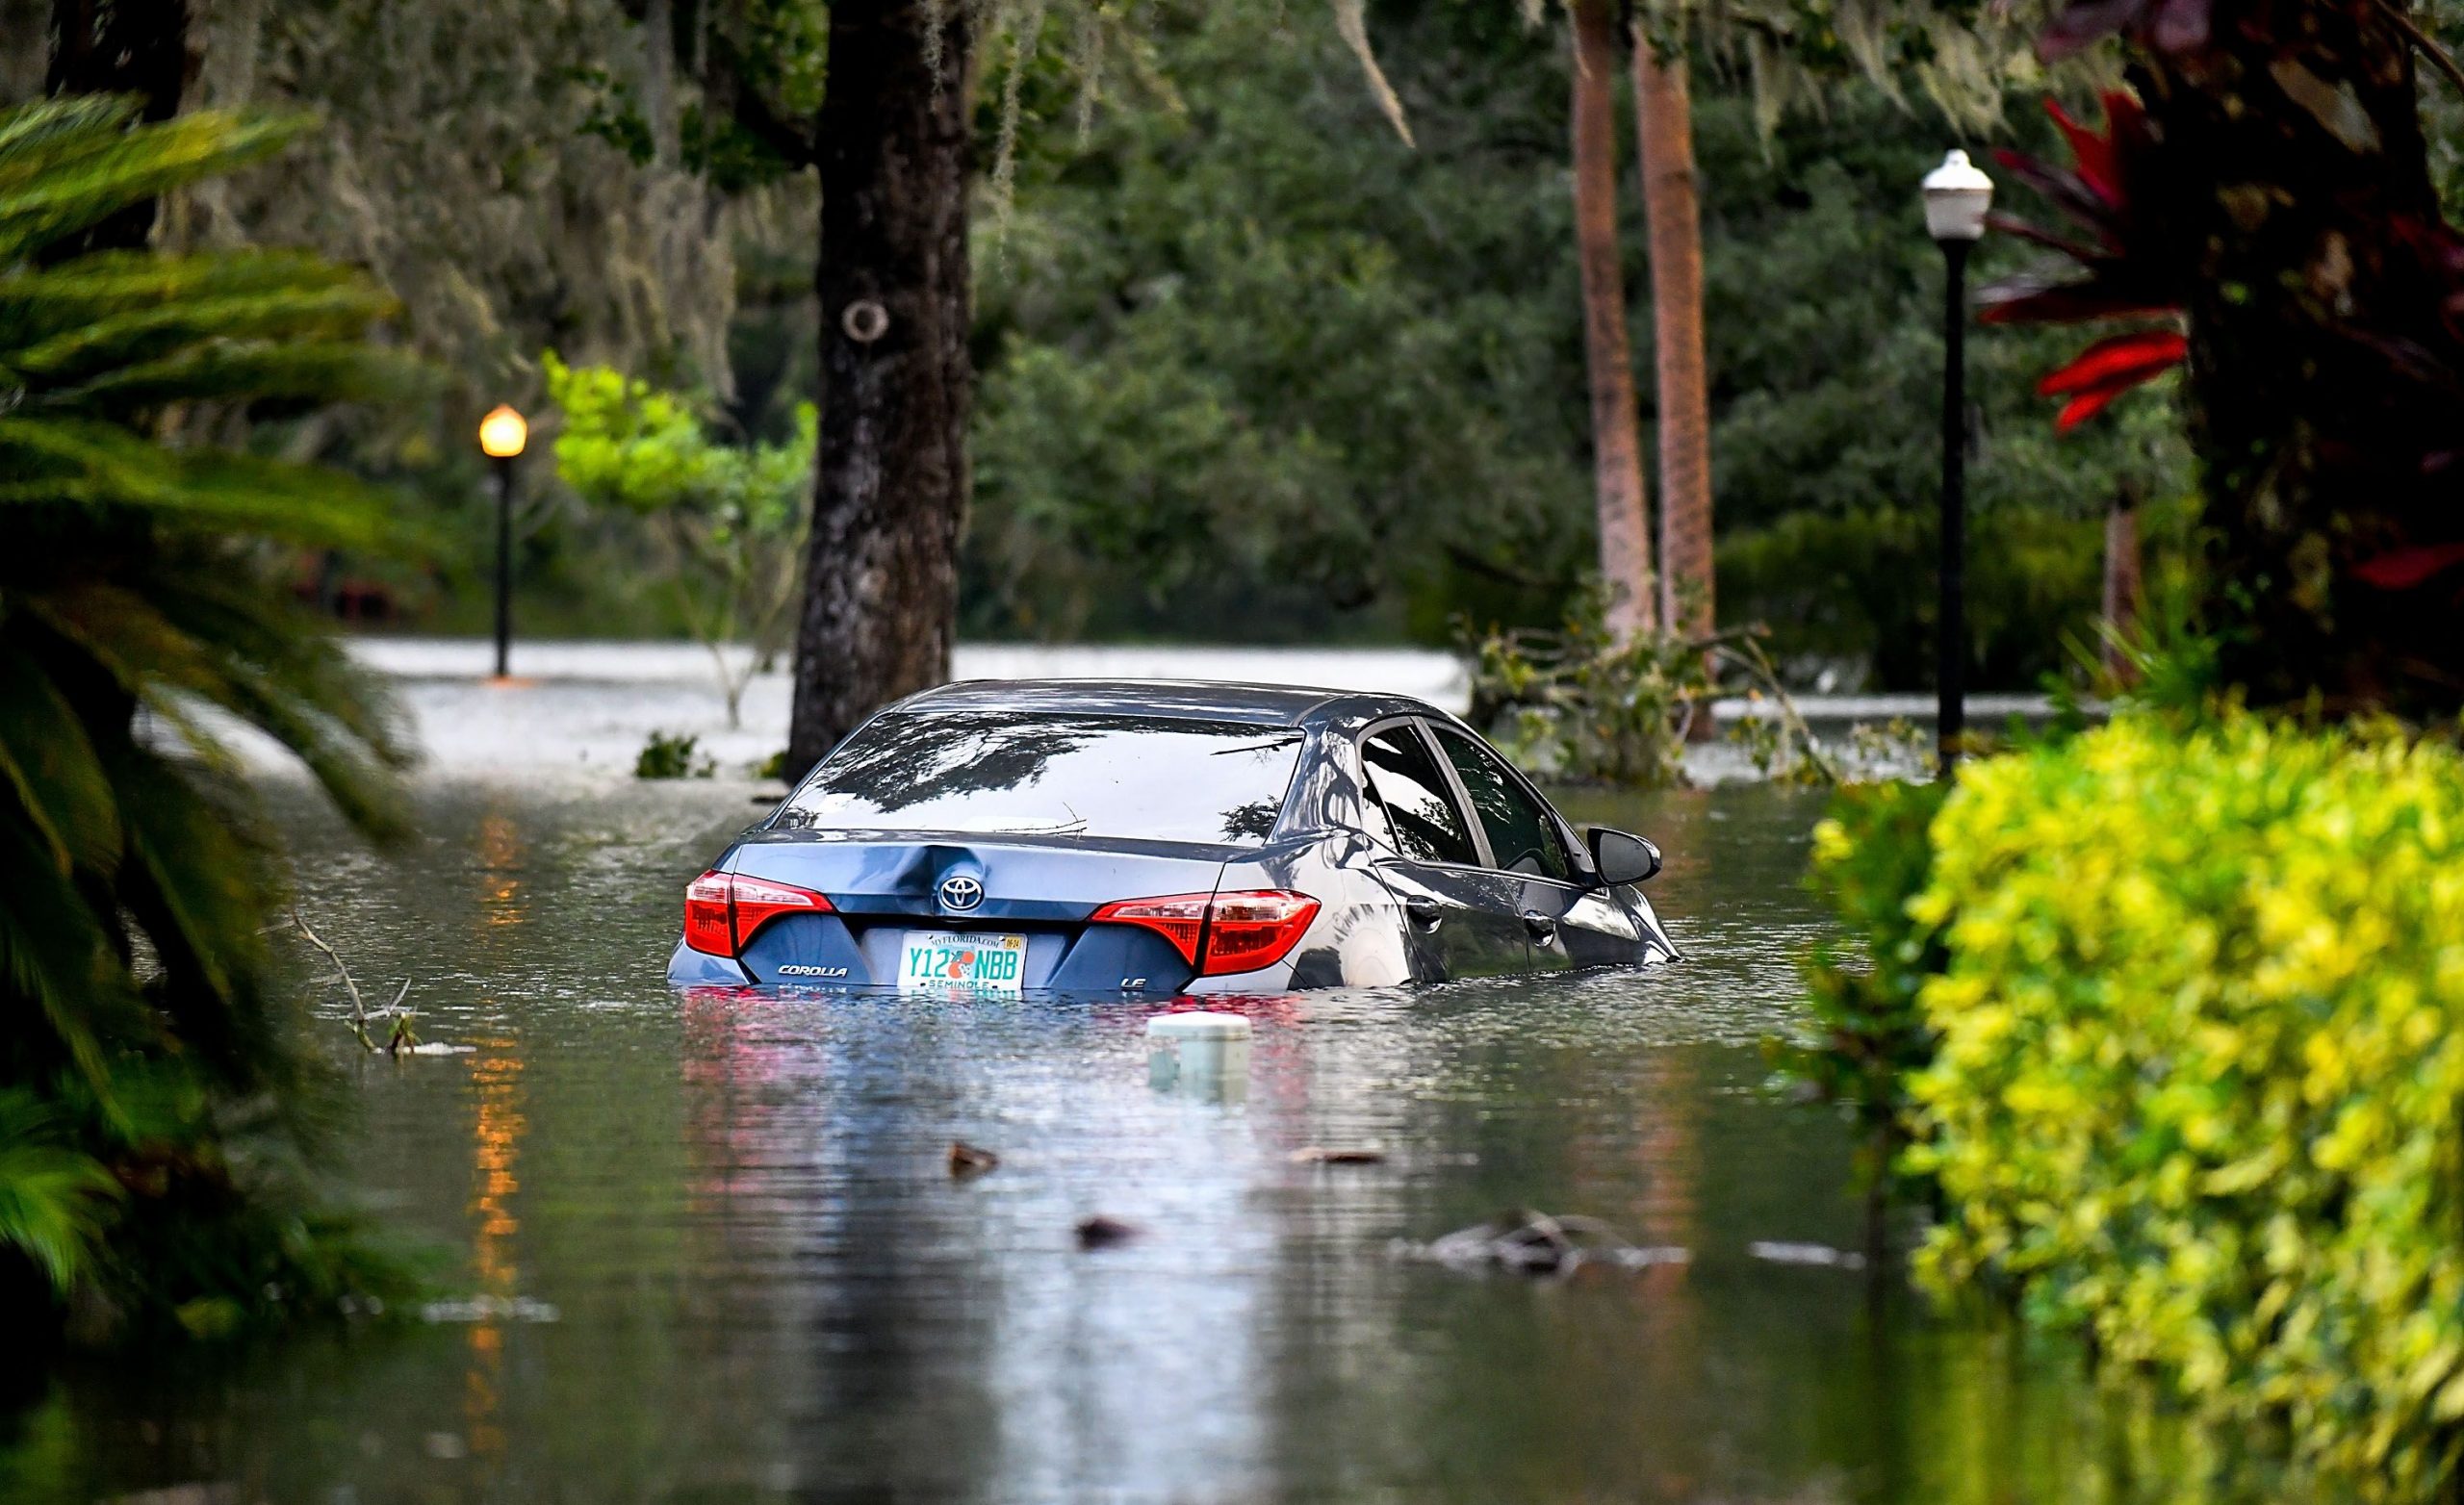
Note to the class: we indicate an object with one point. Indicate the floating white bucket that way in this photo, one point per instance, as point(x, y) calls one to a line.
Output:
point(1203, 1056)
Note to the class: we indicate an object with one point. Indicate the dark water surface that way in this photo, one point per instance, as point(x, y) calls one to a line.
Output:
point(725, 1260)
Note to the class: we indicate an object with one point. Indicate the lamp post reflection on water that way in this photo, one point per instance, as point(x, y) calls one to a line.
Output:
point(502, 435)
point(497, 1133)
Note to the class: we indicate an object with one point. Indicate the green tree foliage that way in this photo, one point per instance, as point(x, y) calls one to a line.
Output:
point(475, 155)
point(2171, 1019)
point(1246, 359)
point(147, 1069)
point(1243, 347)
point(733, 516)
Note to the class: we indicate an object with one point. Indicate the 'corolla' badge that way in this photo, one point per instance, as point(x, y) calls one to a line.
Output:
point(962, 892)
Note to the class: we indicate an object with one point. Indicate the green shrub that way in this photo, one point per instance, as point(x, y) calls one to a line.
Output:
point(2199, 1063)
point(673, 755)
point(1870, 858)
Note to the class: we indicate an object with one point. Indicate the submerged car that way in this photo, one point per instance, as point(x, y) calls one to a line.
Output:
point(1143, 838)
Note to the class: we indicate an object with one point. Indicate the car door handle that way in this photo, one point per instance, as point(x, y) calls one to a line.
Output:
point(1425, 911)
point(1543, 928)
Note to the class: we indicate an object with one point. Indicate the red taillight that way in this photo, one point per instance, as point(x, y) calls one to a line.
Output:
point(1249, 930)
point(1219, 933)
point(759, 901)
point(705, 915)
point(722, 911)
point(1179, 918)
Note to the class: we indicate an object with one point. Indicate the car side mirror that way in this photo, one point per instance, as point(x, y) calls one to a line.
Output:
point(1622, 859)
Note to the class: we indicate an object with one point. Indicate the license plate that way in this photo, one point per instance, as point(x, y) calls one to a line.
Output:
point(938, 960)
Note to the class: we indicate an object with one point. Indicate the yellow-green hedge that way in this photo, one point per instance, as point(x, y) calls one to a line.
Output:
point(2199, 1070)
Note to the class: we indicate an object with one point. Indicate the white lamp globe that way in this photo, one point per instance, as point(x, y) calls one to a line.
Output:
point(1956, 197)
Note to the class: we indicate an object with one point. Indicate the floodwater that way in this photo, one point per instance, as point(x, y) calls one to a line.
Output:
point(710, 1250)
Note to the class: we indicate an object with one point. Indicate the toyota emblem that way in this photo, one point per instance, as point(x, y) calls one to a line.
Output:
point(962, 892)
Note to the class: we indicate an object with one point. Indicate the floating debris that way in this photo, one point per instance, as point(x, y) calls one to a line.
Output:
point(491, 1309)
point(439, 1048)
point(1820, 1255)
point(401, 1039)
point(1536, 1243)
point(1100, 1232)
point(1322, 1155)
point(967, 1159)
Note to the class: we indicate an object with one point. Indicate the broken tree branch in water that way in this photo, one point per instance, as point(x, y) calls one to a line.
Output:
point(400, 1036)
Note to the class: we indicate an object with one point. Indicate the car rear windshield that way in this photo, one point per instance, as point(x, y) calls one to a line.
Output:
point(1155, 777)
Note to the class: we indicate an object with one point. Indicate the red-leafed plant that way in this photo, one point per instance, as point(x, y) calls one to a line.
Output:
point(2259, 213)
point(2107, 243)
point(2110, 367)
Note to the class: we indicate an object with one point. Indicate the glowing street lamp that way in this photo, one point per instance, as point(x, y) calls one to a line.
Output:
point(501, 435)
point(1956, 197)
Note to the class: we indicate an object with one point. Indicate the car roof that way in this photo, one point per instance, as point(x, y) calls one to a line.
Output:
point(1191, 700)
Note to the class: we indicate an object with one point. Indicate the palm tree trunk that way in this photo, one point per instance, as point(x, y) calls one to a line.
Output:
point(1664, 114)
point(1616, 442)
point(2122, 581)
point(880, 569)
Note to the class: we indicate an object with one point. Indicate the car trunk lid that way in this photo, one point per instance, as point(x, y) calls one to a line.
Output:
point(882, 886)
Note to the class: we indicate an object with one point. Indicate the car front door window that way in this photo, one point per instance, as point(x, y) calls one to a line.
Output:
point(1522, 836)
point(1461, 919)
point(1410, 808)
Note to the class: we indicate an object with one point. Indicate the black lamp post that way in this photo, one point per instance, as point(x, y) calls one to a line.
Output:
point(501, 435)
point(1956, 197)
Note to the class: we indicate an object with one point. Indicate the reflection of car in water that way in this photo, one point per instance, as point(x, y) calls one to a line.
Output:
point(1158, 837)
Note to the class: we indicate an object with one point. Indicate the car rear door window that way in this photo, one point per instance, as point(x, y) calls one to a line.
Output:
point(1522, 836)
point(1153, 778)
point(1410, 808)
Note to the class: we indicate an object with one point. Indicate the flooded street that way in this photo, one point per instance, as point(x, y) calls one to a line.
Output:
point(712, 1249)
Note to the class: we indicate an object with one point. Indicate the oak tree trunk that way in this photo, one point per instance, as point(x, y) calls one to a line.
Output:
point(138, 47)
point(1664, 112)
point(881, 573)
point(1616, 441)
point(2293, 182)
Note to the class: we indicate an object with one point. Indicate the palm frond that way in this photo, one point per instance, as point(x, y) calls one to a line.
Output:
point(193, 635)
point(48, 763)
point(24, 132)
point(136, 614)
point(196, 882)
point(300, 688)
point(260, 369)
point(88, 464)
point(67, 173)
point(47, 342)
point(140, 335)
point(53, 1199)
point(56, 956)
